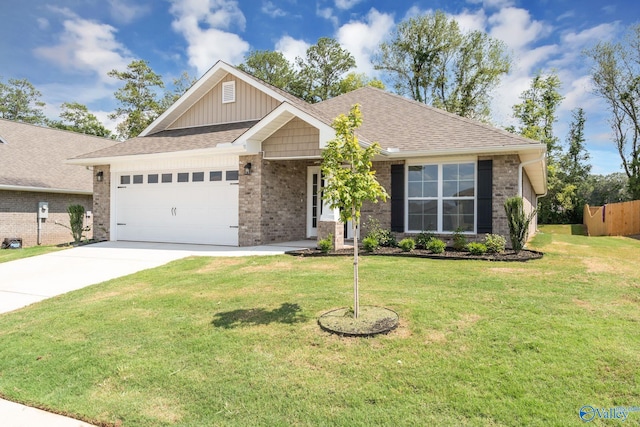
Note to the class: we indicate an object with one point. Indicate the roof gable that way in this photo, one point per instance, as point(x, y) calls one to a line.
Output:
point(202, 104)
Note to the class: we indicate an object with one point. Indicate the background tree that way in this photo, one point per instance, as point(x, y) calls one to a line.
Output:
point(180, 86)
point(353, 81)
point(537, 115)
point(616, 78)
point(350, 180)
point(321, 71)
point(574, 169)
point(270, 66)
point(604, 189)
point(138, 98)
point(429, 59)
point(20, 101)
point(77, 118)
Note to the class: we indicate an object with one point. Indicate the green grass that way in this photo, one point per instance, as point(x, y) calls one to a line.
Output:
point(7, 255)
point(234, 341)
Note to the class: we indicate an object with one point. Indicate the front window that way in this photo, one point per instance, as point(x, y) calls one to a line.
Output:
point(441, 197)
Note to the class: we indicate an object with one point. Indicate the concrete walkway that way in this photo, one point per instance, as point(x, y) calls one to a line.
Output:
point(29, 280)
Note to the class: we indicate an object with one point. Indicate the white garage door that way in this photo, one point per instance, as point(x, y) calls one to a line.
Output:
point(196, 206)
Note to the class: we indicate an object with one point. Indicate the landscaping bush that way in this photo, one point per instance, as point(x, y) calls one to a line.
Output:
point(370, 244)
point(326, 244)
point(518, 222)
point(384, 237)
point(436, 246)
point(477, 248)
point(459, 240)
point(76, 222)
point(422, 239)
point(407, 244)
point(495, 243)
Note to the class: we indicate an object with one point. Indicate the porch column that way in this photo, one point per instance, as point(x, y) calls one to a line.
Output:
point(330, 224)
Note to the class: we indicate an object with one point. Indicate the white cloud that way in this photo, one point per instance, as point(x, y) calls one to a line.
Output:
point(327, 13)
point(292, 48)
point(602, 32)
point(43, 23)
point(516, 28)
point(126, 12)
point(492, 4)
point(272, 10)
point(87, 46)
point(203, 23)
point(346, 4)
point(471, 21)
point(362, 38)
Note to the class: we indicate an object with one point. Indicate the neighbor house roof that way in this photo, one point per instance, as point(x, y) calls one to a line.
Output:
point(32, 158)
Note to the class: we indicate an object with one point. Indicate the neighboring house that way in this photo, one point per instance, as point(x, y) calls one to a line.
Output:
point(33, 173)
point(236, 161)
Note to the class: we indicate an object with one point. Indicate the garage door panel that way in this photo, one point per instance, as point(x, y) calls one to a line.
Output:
point(178, 212)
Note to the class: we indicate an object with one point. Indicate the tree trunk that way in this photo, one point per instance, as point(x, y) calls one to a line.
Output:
point(356, 294)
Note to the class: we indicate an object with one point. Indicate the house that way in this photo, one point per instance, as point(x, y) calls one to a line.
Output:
point(36, 183)
point(236, 161)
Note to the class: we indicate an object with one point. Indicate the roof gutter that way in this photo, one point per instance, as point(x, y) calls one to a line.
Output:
point(43, 189)
point(520, 176)
point(390, 152)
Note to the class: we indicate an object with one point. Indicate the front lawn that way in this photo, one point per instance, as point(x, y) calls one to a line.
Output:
point(7, 255)
point(234, 341)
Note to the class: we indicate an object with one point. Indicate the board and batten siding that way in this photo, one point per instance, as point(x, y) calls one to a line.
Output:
point(295, 139)
point(250, 104)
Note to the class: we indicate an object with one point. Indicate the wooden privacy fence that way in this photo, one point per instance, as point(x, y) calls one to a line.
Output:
point(615, 219)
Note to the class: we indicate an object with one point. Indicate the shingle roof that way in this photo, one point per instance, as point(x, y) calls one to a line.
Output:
point(34, 156)
point(397, 122)
point(176, 140)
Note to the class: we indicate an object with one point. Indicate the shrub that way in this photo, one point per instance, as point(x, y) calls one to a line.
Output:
point(422, 239)
point(370, 244)
point(495, 243)
point(477, 248)
point(326, 244)
point(459, 240)
point(436, 246)
point(518, 222)
point(76, 222)
point(407, 244)
point(384, 237)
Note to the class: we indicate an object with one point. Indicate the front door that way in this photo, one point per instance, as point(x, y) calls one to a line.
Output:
point(314, 200)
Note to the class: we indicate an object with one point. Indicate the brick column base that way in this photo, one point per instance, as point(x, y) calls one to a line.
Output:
point(332, 227)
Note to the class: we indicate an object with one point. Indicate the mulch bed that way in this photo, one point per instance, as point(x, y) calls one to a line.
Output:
point(508, 255)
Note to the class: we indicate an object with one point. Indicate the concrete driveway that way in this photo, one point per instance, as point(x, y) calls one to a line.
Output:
point(29, 280)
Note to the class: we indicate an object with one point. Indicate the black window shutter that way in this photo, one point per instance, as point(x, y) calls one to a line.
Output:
point(485, 196)
point(397, 198)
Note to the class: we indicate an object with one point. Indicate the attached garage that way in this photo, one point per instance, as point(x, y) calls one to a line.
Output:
point(177, 206)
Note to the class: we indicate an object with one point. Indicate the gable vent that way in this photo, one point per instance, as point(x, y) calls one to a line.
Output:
point(228, 92)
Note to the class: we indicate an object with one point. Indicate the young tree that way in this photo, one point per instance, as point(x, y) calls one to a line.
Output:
point(20, 101)
point(138, 98)
point(321, 71)
point(616, 77)
point(270, 66)
point(77, 118)
point(350, 180)
point(430, 59)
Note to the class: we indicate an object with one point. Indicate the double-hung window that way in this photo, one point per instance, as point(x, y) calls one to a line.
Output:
point(441, 197)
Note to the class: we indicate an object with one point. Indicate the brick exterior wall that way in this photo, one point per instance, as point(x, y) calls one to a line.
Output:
point(19, 217)
point(381, 210)
point(102, 203)
point(273, 201)
point(505, 185)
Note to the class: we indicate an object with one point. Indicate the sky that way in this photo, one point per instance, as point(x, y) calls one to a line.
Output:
point(66, 47)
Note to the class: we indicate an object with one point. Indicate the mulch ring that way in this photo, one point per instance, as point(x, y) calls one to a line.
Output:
point(508, 255)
